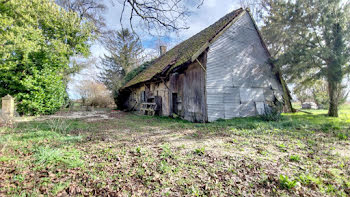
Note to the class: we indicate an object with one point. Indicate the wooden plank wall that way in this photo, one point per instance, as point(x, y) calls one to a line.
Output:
point(238, 78)
point(191, 86)
point(188, 84)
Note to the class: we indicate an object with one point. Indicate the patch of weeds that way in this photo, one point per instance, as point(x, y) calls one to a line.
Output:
point(286, 183)
point(199, 151)
point(46, 156)
point(311, 142)
point(59, 125)
point(138, 150)
point(343, 135)
point(282, 147)
point(308, 180)
point(38, 135)
point(140, 172)
point(264, 153)
point(261, 150)
point(288, 124)
point(247, 125)
point(326, 127)
point(304, 179)
point(272, 114)
point(295, 158)
point(18, 178)
point(164, 167)
point(72, 139)
point(166, 152)
point(195, 191)
point(5, 158)
point(182, 146)
point(330, 189)
point(59, 187)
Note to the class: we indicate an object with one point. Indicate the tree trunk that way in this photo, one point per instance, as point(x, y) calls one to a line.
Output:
point(333, 98)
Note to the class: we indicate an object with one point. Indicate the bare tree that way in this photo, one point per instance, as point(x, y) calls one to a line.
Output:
point(158, 14)
point(94, 93)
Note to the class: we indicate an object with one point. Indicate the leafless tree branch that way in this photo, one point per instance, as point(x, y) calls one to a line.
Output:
point(169, 15)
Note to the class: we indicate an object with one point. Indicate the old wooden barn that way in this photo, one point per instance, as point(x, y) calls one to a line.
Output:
point(219, 73)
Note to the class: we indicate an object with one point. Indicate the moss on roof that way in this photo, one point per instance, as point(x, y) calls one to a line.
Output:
point(184, 51)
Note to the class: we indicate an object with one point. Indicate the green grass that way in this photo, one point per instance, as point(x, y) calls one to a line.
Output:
point(145, 156)
point(286, 182)
point(47, 157)
point(295, 158)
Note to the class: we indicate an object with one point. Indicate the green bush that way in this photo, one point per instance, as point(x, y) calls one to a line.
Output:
point(46, 96)
point(38, 38)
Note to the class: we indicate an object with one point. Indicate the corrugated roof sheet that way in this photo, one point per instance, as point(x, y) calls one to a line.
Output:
point(184, 51)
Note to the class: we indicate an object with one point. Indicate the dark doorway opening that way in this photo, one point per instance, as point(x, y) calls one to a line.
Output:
point(174, 98)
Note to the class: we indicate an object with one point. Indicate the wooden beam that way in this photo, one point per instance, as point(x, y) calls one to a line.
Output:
point(201, 65)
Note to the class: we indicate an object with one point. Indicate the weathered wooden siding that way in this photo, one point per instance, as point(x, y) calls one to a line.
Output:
point(189, 85)
point(238, 79)
point(191, 94)
point(152, 90)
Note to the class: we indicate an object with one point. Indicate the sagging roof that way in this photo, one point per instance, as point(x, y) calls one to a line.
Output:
point(185, 51)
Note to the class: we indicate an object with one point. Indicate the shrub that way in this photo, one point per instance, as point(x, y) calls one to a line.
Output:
point(40, 38)
point(272, 113)
point(94, 94)
point(47, 98)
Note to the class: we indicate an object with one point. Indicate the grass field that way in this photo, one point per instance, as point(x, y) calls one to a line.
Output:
point(131, 155)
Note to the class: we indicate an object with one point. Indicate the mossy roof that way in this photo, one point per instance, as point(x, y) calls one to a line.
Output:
point(184, 51)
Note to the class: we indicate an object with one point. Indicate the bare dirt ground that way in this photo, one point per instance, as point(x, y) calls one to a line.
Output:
point(88, 116)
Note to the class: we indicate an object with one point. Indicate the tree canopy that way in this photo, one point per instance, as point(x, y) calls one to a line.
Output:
point(310, 40)
point(37, 39)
